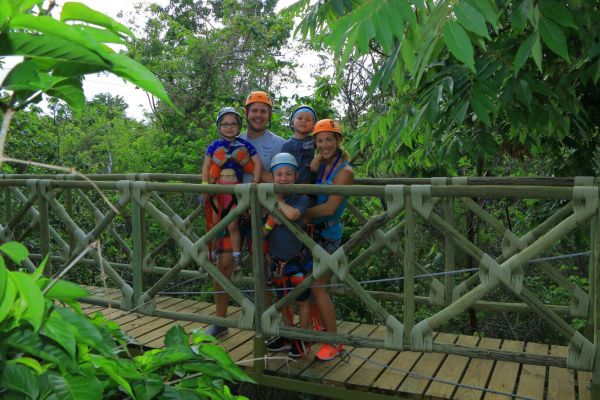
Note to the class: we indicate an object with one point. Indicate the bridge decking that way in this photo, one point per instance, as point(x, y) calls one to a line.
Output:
point(530, 381)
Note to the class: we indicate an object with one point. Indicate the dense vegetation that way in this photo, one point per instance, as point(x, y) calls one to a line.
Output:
point(469, 87)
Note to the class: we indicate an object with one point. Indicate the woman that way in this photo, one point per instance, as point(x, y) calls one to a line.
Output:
point(333, 169)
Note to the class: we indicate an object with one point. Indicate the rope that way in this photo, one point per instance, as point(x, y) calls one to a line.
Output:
point(536, 260)
point(427, 377)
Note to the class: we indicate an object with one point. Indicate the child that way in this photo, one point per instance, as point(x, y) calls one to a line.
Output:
point(226, 160)
point(290, 260)
point(302, 122)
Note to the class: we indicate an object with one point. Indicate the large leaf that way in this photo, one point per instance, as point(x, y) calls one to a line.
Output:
point(85, 331)
point(73, 11)
point(69, 387)
point(20, 379)
point(112, 368)
point(176, 336)
point(536, 52)
point(558, 12)
point(65, 290)
point(8, 298)
point(148, 388)
point(69, 90)
point(219, 355)
point(459, 43)
point(553, 37)
point(15, 251)
point(523, 52)
point(62, 333)
point(168, 356)
point(487, 8)
point(471, 19)
point(518, 17)
point(34, 300)
point(46, 46)
point(26, 341)
point(3, 278)
point(137, 74)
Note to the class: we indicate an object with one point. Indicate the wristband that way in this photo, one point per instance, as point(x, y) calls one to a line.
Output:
point(205, 182)
point(268, 228)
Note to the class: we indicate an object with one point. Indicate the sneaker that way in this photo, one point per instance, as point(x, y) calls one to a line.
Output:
point(299, 349)
point(217, 331)
point(328, 352)
point(279, 344)
point(238, 269)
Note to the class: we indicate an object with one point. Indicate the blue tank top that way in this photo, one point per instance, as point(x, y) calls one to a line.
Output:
point(330, 227)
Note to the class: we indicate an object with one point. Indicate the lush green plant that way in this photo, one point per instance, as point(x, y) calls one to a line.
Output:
point(58, 53)
point(50, 350)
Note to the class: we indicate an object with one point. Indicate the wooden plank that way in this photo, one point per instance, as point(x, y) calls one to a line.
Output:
point(143, 325)
point(368, 373)
point(145, 318)
point(340, 374)
point(505, 374)
point(391, 378)
point(478, 372)
point(561, 381)
point(428, 365)
point(243, 353)
point(532, 380)
point(318, 369)
point(451, 371)
point(584, 379)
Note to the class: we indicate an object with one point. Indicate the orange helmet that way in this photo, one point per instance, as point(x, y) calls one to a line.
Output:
point(258, 97)
point(328, 125)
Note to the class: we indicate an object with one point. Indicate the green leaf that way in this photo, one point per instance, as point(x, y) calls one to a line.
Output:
point(99, 35)
point(8, 298)
point(523, 52)
point(65, 290)
point(85, 331)
point(71, 91)
point(47, 47)
point(488, 10)
point(471, 19)
point(459, 113)
point(34, 300)
point(338, 7)
point(31, 363)
point(113, 369)
point(3, 278)
point(518, 17)
point(72, 11)
point(26, 341)
point(19, 378)
point(553, 37)
point(15, 251)
point(459, 43)
point(480, 110)
point(394, 18)
point(58, 330)
point(536, 52)
point(69, 387)
point(137, 74)
point(523, 93)
point(383, 32)
point(148, 388)
point(176, 336)
point(40, 269)
point(558, 12)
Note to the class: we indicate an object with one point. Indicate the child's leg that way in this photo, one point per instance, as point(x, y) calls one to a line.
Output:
point(234, 233)
point(304, 311)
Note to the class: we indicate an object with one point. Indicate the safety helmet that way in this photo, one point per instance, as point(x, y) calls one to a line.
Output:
point(299, 109)
point(228, 110)
point(284, 158)
point(328, 125)
point(258, 97)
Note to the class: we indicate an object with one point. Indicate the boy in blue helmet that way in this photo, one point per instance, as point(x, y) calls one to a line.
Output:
point(302, 122)
point(290, 260)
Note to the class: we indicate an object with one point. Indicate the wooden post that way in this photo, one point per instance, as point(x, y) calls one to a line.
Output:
point(409, 272)
point(449, 252)
point(595, 303)
point(137, 233)
point(44, 224)
point(258, 263)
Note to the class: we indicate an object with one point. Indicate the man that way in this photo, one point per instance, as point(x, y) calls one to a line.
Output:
point(257, 111)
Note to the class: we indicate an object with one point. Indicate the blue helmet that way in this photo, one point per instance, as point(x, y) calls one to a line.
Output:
point(299, 109)
point(281, 159)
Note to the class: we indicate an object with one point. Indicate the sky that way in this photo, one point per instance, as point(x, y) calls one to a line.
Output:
point(137, 99)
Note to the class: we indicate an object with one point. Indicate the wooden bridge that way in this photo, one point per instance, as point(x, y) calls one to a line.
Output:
point(405, 352)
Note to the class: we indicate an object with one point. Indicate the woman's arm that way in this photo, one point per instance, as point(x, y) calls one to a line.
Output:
point(290, 212)
point(256, 174)
point(344, 177)
point(316, 163)
point(206, 169)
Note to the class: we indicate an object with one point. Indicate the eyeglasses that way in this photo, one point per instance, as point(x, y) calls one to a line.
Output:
point(229, 125)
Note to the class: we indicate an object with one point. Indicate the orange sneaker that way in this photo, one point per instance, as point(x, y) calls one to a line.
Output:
point(328, 352)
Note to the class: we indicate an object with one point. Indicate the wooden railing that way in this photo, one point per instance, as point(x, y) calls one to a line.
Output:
point(157, 214)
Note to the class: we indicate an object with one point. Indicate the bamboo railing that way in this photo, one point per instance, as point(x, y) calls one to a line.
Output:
point(61, 215)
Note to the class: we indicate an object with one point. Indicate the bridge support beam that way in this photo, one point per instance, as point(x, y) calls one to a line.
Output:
point(595, 295)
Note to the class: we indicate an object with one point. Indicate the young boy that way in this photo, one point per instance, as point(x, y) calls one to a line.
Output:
point(226, 160)
point(290, 260)
point(302, 122)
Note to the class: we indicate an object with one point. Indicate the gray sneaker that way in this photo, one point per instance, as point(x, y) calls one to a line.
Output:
point(217, 331)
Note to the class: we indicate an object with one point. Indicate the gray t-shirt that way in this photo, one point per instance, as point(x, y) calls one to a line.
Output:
point(266, 146)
